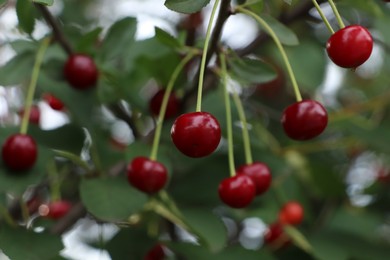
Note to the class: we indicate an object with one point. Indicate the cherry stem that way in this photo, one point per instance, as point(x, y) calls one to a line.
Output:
point(74, 158)
point(229, 129)
point(280, 47)
point(337, 14)
point(7, 216)
point(323, 17)
point(164, 103)
point(24, 210)
point(32, 86)
point(245, 132)
point(204, 57)
point(55, 185)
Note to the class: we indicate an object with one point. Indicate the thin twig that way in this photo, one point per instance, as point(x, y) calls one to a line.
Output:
point(120, 113)
point(58, 33)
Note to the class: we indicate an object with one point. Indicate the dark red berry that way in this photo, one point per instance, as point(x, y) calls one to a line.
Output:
point(291, 213)
point(350, 47)
point(274, 88)
point(147, 175)
point(173, 104)
point(237, 191)
point(80, 71)
point(304, 120)
point(19, 152)
point(155, 253)
point(35, 114)
point(53, 102)
point(193, 21)
point(260, 175)
point(275, 236)
point(196, 134)
point(55, 209)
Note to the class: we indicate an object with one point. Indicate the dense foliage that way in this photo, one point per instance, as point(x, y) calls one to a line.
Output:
point(329, 194)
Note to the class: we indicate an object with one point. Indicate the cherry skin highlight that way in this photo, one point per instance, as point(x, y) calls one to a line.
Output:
point(291, 213)
point(147, 175)
point(19, 152)
point(173, 105)
point(350, 47)
point(196, 134)
point(80, 71)
point(237, 191)
point(304, 120)
point(260, 175)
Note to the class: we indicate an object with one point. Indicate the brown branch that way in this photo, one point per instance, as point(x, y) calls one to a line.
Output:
point(58, 34)
point(224, 13)
point(120, 113)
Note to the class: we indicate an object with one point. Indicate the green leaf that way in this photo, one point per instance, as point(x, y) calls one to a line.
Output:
point(118, 247)
point(44, 2)
point(285, 35)
point(167, 39)
point(88, 40)
point(119, 38)
point(186, 6)
point(298, 238)
point(249, 70)
point(17, 69)
point(25, 12)
point(72, 137)
point(111, 199)
point(208, 227)
point(18, 243)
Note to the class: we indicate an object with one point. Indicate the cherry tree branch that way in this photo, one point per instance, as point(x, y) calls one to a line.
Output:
point(58, 33)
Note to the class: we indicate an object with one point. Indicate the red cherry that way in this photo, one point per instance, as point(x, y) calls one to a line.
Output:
point(272, 89)
point(237, 191)
point(147, 175)
point(291, 213)
point(275, 236)
point(155, 253)
point(80, 71)
point(260, 175)
point(55, 209)
point(35, 114)
point(350, 47)
point(173, 105)
point(53, 102)
point(304, 120)
point(193, 21)
point(19, 152)
point(196, 134)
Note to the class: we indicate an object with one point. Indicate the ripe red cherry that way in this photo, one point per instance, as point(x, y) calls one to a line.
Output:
point(272, 89)
point(155, 253)
point(35, 114)
point(19, 152)
point(173, 105)
point(275, 236)
point(237, 191)
point(291, 213)
point(53, 102)
point(350, 47)
point(146, 175)
point(304, 120)
point(260, 175)
point(196, 134)
point(55, 209)
point(80, 71)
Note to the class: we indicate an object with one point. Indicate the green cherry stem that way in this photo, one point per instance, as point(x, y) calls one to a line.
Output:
point(55, 183)
point(244, 129)
point(204, 55)
point(280, 47)
point(73, 158)
point(164, 103)
point(323, 17)
point(229, 129)
point(337, 14)
point(32, 85)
